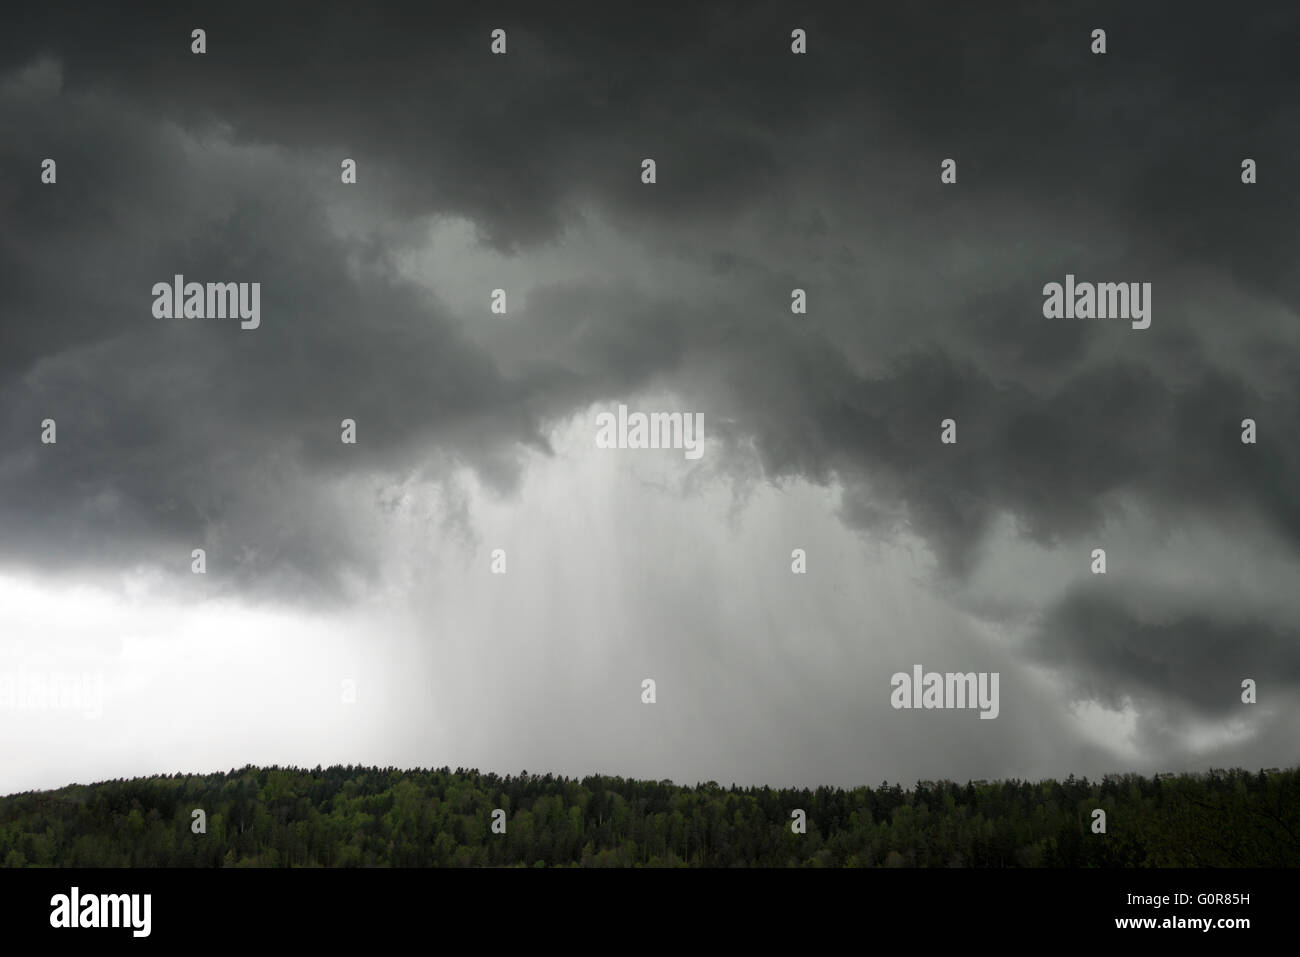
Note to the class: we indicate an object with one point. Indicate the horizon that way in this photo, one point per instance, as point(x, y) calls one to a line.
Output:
point(732, 786)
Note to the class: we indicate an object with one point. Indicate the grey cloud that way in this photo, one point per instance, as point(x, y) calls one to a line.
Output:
point(1169, 656)
point(774, 171)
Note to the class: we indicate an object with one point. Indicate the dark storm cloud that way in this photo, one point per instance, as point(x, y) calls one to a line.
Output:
point(1055, 461)
point(1145, 142)
point(1173, 657)
point(775, 172)
point(712, 89)
point(169, 429)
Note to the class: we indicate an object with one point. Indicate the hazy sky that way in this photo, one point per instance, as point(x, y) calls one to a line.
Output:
point(371, 563)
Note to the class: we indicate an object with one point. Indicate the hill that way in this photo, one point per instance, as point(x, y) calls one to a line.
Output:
point(362, 816)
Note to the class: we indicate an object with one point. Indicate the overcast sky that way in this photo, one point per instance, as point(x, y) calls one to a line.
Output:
point(371, 562)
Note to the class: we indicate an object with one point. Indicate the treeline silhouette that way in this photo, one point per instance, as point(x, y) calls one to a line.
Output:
point(361, 816)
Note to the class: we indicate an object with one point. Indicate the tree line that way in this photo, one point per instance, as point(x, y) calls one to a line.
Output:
point(352, 816)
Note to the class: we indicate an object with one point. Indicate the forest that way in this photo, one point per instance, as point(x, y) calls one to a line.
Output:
point(380, 817)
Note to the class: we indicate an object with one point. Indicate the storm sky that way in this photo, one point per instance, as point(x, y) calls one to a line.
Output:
point(370, 563)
